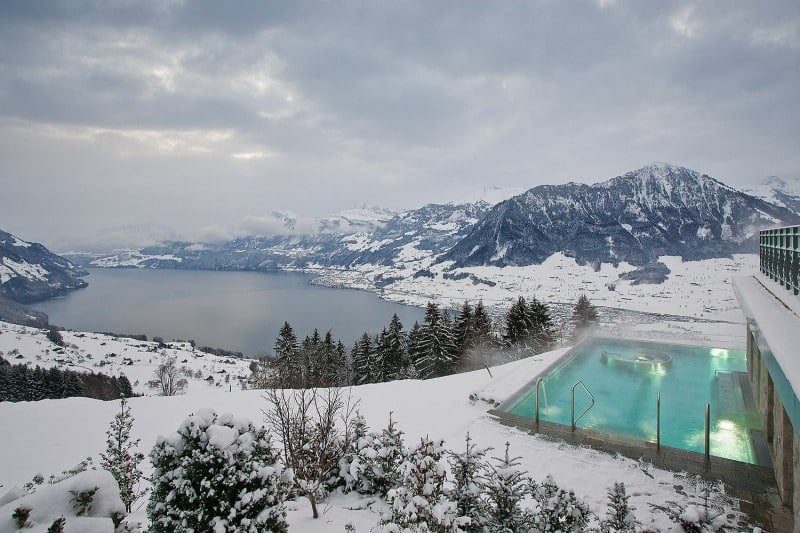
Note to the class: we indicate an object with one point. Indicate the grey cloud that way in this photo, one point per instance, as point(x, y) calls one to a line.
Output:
point(143, 105)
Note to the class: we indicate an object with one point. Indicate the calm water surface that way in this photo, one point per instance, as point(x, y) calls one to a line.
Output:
point(235, 310)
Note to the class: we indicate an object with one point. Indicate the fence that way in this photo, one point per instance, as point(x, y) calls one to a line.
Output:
point(779, 256)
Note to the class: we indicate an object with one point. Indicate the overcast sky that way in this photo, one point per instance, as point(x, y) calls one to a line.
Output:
point(129, 120)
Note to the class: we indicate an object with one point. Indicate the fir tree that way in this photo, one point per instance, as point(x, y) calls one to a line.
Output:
point(122, 458)
point(506, 488)
point(396, 354)
point(619, 517)
point(557, 509)
point(542, 330)
point(463, 328)
point(362, 352)
point(379, 360)
point(481, 323)
point(517, 322)
point(415, 353)
point(436, 345)
point(420, 504)
point(389, 453)
point(287, 354)
point(469, 476)
point(584, 316)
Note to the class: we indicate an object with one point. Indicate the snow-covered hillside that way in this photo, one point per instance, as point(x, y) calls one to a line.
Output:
point(51, 435)
point(137, 360)
point(30, 272)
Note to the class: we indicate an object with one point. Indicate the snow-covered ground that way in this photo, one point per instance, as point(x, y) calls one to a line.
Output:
point(138, 360)
point(696, 304)
point(52, 435)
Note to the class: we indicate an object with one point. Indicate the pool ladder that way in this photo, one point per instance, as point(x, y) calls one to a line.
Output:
point(572, 402)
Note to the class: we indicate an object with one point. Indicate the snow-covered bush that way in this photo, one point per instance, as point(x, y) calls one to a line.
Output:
point(372, 464)
point(95, 491)
point(619, 516)
point(217, 473)
point(557, 509)
point(421, 504)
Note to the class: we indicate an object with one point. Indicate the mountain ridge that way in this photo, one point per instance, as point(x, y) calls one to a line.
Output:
point(29, 272)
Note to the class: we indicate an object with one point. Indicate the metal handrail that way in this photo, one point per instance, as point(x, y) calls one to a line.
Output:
point(572, 406)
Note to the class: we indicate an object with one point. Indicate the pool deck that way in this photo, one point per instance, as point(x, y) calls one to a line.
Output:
point(753, 485)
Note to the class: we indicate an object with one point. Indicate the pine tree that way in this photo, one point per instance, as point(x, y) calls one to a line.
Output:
point(362, 352)
point(517, 322)
point(415, 353)
point(122, 458)
point(420, 504)
point(380, 354)
point(436, 345)
point(542, 332)
point(385, 467)
point(619, 517)
point(506, 488)
point(463, 328)
point(558, 510)
point(287, 354)
point(397, 349)
point(481, 323)
point(469, 476)
point(584, 316)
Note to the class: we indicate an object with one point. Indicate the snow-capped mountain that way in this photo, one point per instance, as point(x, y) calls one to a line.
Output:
point(364, 218)
point(30, 272)
point(660, 209)
point(782, 192)
point(343, 241)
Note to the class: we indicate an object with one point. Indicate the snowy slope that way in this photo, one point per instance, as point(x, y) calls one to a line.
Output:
point(30, 272)
point(438, 408)
point(95, 352)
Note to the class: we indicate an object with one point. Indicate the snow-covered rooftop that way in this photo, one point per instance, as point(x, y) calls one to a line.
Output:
point(773, 314)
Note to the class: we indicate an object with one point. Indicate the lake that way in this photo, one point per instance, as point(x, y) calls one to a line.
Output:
point(240, 311)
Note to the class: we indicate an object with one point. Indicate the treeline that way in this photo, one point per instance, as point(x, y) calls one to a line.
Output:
point(431, 349)
point(19, 383)
point(439, 346)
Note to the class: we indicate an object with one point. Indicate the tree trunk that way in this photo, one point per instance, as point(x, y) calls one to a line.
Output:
point(313, 500)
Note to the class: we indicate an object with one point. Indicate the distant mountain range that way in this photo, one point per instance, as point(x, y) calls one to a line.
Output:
point(657, 210)
point(29, 272)
point(660, 209)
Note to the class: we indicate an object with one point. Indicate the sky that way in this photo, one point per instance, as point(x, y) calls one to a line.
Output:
point(122, 123)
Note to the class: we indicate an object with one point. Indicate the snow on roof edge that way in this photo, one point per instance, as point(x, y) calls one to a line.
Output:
point(774, 320)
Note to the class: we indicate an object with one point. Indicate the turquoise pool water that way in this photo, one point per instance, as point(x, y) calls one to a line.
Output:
point(625, 378)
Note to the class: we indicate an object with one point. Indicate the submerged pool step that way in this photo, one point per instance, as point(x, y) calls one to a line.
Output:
point(731, 399)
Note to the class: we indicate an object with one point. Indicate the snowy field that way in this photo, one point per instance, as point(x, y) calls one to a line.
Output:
point(52, 435)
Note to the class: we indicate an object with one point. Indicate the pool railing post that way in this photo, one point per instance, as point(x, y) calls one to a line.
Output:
point(658, 420)
point(538, 382)
point(708, 432)
point(572, 409)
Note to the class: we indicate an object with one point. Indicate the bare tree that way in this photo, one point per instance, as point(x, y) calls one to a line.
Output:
point(313, 425)
point(167, 376)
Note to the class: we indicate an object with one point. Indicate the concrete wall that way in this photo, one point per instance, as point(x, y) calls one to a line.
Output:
point(783, 439)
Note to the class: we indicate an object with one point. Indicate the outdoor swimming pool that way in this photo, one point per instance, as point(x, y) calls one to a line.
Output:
point(625, 378)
